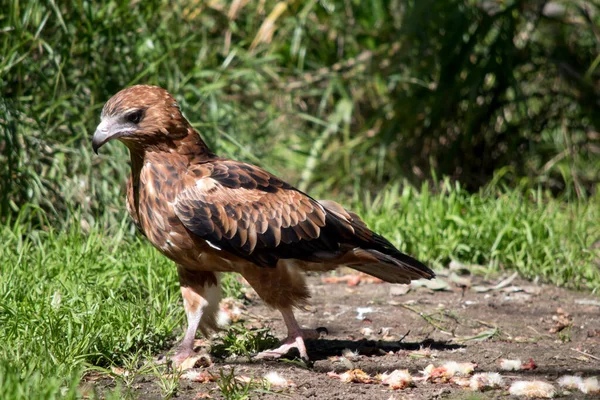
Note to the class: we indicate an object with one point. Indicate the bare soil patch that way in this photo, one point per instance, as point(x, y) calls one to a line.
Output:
point(387, 329)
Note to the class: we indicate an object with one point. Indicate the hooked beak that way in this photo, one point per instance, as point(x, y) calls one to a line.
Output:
point(107, 130)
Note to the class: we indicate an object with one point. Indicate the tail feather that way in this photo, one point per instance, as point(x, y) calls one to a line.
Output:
point(375, 255)
point(388, 268)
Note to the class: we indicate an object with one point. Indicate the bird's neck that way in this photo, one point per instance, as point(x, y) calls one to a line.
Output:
point(187, 150)
point(193, 148)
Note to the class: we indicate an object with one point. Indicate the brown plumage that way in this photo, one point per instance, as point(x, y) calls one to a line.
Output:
point(210, 215)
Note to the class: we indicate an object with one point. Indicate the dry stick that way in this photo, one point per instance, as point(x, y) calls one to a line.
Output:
point(427, 319)
point(484, 323)
point(586, 354)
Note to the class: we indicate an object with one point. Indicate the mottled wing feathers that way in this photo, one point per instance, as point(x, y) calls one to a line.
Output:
point(245, 210)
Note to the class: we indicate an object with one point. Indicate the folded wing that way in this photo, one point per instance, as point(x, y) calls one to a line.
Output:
point(245, 210)
point(248, 212)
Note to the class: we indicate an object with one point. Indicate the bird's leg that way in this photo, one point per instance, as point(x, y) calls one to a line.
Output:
point(193, 303)
point(201, 296)
point(295, 338)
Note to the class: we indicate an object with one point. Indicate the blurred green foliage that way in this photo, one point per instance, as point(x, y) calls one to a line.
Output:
point(338, 96)
point(330, 94)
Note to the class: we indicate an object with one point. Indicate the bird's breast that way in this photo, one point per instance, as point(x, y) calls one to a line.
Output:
point(157, 190)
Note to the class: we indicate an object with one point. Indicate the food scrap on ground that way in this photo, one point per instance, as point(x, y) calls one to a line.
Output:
point(517, 365)
point(532, 389)
point(276, 380)
point(198, 376)
point(352, 376)
point(397, 379)
point(448, 371)
point(486, 380)
point(590, 386)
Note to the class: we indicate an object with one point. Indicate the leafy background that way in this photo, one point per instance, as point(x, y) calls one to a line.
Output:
point(336, 96)
point(463, 130)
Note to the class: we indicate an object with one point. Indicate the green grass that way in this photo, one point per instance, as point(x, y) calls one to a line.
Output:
point(240, 341)
point(72, 301)
point(342, 99)
point(69, 301)
point(503, 230)
point(232, 389)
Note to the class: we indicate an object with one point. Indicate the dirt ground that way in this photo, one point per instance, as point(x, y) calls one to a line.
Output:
point(466, 320)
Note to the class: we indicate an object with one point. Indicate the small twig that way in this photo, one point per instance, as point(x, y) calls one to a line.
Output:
point(586, 354)
point(427, 319)
point(538, 333)
point(488, 324)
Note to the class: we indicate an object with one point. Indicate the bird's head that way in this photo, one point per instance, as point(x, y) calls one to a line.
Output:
point(141, 116)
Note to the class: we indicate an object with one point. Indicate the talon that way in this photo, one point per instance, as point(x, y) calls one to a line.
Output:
point(181, 356)
point(291, 343)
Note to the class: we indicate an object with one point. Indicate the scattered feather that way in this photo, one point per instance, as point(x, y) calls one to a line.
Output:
point(427, 372)
point(570, 381)
point(223, 319)
point(421, 353)
point(590, 385)
point(448, 371)
point(361, 311)
point(510, 365)
point(454, 368)
point(385, 331)
point(398, 379)
point(486, 380)
point(349, 354)
point(366, 331)
point(276, 380)
point(352, 376)
point(230, 311)
point(532, 389)
point(198, 376)
point(462, 381)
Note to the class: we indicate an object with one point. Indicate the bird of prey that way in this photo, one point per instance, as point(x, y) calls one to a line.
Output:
point(210, 214)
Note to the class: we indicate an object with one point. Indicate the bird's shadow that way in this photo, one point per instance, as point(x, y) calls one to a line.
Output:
point(320, 349)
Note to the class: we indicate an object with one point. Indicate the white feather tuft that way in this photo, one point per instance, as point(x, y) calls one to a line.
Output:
point(532, 389)
point(223, 319)
point(277, 380)
point(461, 369)
point(398, 379)
point(510, 365)
point(570, 382)
point(590, 385)
point(486, 380)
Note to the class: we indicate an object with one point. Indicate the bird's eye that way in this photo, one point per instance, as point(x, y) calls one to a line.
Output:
point(135, 116)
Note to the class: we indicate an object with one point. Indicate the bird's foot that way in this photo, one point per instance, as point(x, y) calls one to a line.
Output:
point(295, 341)
point(182, 355)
